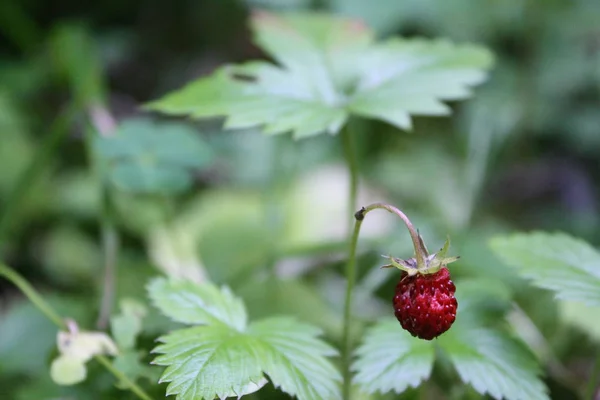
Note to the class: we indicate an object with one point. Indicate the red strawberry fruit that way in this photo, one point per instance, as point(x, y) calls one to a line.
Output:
point(424, 301)
point(425, 304)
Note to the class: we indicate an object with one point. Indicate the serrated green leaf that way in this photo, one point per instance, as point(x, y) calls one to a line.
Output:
point(205, 362)
point(217, 361)
point(390, 359)
point(202, 304)
point(493, 363)
point(225, 358)
point(330, 67)
point(413, 77)
point(295, 360)
point(568, 266)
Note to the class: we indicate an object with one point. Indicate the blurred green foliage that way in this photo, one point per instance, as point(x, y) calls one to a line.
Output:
point(267, 216)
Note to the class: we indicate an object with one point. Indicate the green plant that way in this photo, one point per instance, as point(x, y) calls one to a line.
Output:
point(232, 316)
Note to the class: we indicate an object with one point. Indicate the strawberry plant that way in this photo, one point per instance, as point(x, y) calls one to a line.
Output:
point(204, 217)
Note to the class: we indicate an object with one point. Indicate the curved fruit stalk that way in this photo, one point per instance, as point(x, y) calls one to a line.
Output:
point(424, 301)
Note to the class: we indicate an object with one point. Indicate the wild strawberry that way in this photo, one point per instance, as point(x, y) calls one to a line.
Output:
point(425, 304)
point(424, 301)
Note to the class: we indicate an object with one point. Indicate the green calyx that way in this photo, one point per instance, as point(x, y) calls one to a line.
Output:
point(430, 264)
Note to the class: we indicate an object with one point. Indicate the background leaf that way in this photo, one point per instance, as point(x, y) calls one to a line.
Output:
point(146, 157)
point(568, 266)
point(578, 315)
point(294, 298)
point(169, 143)
point(126, 326)
point(390, 359)
point(403, 77)
point(148, 178)
point(493, 363)
point(202, 304)
point(330, 67)
point(130, 364)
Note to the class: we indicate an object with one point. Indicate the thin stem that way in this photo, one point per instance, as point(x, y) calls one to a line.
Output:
point(351, 162)
point(105, 125)
point(32, 295)
point(48, 147)
point(271, 200)
point(121, 376)
point(347, 340)
point(414, 235)
point(53, 316)
point(110, 244)
point(350, 155)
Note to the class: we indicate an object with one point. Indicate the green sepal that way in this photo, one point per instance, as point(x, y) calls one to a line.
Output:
point(409, 266)
point(444, 249)
point(433, 263)
point(439, 259)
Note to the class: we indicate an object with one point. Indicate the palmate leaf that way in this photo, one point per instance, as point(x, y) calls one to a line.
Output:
point(327, 69)
point(294, 358)
point(200, 304)
point(226, 357)
point(391, 359)
point(205, 362)
point(568, 266)
point(493, 363)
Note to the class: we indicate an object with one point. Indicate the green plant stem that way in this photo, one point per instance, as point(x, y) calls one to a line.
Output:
point(110, 244)
point(350, 156)
point(272, 202)
point(122, 377)
point(104, 124)
point(53, 316)
point(351, 280)
point(32, 295)
point(414, 235)
point(346, 338)
point(48, 147)
point(352, 164)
